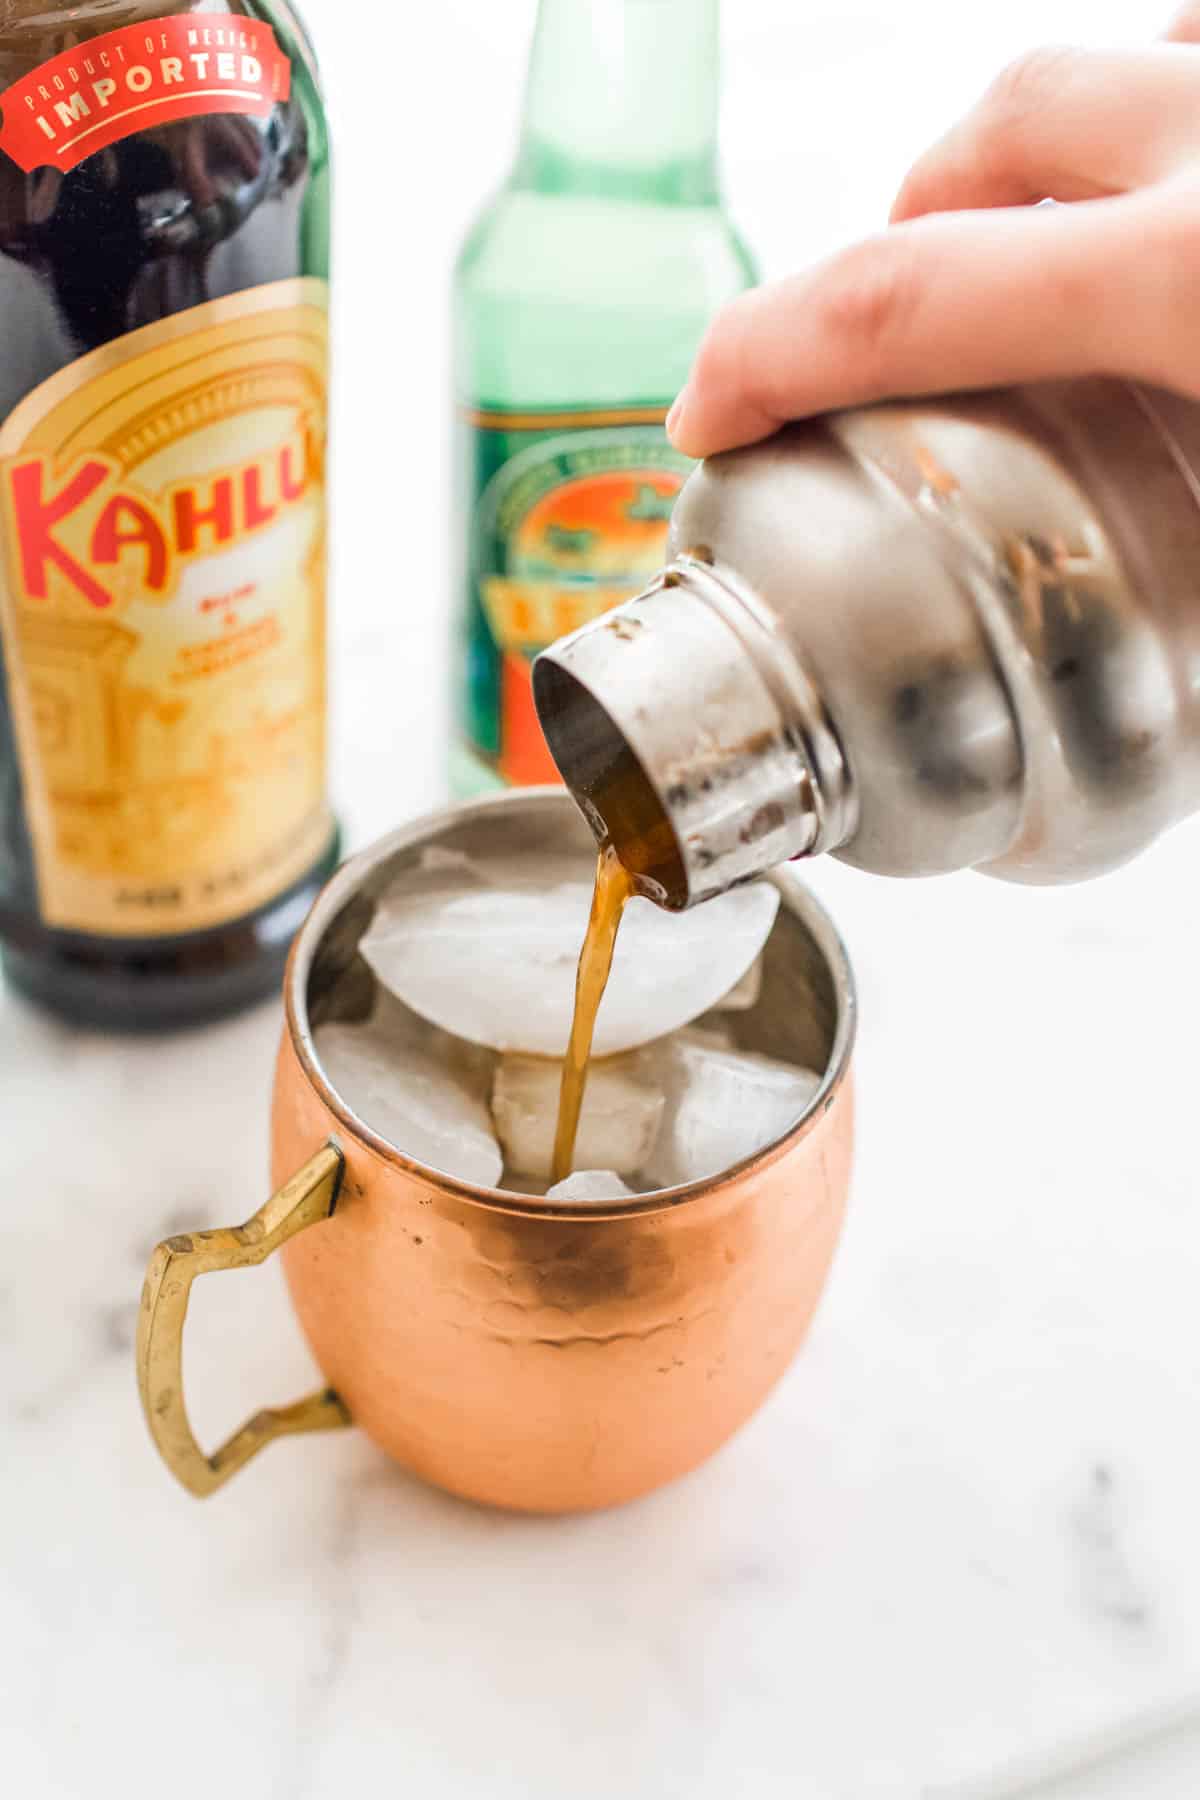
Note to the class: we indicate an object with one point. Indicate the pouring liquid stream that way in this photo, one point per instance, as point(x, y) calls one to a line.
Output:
point(615, 887)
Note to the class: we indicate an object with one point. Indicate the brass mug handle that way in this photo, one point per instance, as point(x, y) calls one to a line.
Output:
point(305, 1200)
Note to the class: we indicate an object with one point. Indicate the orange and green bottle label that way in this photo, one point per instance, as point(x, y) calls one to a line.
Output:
point(569, 517)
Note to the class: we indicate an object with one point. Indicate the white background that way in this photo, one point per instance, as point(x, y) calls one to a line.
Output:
point(960, 1545)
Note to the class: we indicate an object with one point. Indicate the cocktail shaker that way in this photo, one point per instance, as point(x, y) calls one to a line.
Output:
point(924, 637)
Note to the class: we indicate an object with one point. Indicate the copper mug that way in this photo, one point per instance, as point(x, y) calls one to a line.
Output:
point(544, 1357)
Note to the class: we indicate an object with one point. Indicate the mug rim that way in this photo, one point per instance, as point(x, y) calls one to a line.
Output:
point(346, 881)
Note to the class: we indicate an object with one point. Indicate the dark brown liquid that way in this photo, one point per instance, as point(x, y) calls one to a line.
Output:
point(164, 220)
point(615, 887)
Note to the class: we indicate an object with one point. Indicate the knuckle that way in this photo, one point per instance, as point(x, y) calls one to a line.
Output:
point(724, 362)
point(1169, 241)
point(1031, 84)
point(869, 296)
point(1067, 292)
point(717, 356)
point(1170, 260)
point(1178, 202)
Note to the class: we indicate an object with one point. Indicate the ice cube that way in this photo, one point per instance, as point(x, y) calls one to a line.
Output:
point(440, 859)
point(622, 1111)
point(416, 1087)
point(472, 1064)
point(532, 1186)
point(591, 1184)
point(711, 1029)
point(748, 992)
point(722, 1106)
point(489, 950)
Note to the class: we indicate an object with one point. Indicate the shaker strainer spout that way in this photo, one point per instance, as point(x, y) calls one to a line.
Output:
point(922, 637)
point(703, 763)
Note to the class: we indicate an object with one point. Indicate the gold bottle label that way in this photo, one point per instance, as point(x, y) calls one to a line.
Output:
point(162, 602)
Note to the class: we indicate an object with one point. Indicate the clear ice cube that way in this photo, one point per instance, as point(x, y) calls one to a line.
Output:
point(622, 1111)
point(417, 1087)
point(711, 1029)
point(722, 1106)
point(591, 1184)
point(489, 951)
point(532, 1186)
point(748, 992)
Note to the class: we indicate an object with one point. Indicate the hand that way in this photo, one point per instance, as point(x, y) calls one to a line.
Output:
point(973, 285)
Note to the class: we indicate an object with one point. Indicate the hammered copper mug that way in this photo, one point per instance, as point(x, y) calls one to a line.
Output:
point(542, 1356)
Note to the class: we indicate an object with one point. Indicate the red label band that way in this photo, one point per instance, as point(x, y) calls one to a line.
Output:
point(141, 76)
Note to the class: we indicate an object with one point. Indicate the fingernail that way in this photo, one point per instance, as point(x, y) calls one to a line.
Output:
point(675, 416)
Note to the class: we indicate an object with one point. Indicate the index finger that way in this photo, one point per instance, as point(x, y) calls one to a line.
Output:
point(955, 301)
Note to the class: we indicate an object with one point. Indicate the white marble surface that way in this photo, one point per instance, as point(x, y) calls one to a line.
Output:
point(958, 1551)
point(961, 1537)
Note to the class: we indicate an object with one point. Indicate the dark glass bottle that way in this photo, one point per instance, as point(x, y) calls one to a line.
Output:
point(164, 228)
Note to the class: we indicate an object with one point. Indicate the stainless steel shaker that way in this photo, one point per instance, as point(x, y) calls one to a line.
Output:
point(921, 636)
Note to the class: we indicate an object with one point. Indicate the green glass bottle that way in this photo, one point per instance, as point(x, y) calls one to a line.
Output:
point(580, 299)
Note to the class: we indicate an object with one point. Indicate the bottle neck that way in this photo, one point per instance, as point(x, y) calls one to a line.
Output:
point(622, 101)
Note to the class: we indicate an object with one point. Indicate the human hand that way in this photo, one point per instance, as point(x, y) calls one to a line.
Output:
point(973, 285)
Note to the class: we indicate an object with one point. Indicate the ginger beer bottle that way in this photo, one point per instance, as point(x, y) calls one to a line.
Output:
point(580, 299)
point(163, 265)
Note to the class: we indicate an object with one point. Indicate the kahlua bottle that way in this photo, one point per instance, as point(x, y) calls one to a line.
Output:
point(164, 218)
